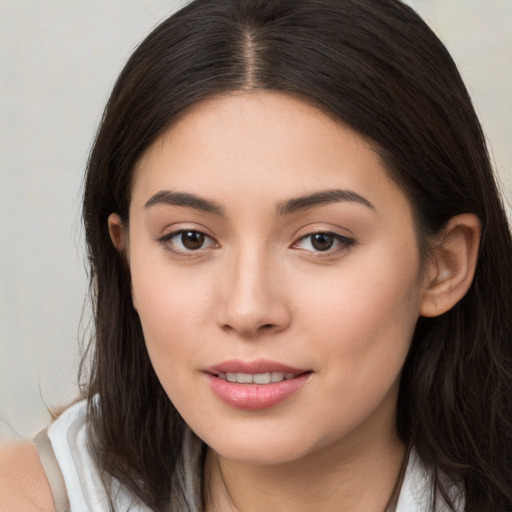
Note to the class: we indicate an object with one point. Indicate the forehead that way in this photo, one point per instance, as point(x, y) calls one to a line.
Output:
point(252, 118)
point(266, 143)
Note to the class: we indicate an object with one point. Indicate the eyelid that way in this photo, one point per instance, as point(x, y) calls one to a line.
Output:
point(346, 242)
point(165, 240)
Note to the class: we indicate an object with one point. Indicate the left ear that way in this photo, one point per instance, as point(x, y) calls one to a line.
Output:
point(452, 265)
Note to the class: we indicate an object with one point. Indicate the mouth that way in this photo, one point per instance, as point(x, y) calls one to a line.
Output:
point(256, 378)
point(255, 385)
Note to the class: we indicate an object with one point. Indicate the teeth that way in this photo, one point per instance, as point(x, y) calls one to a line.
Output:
point(261, 378)
point(256, 378)
point(244, 378)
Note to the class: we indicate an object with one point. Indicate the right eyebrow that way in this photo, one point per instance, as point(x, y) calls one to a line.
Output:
point(185, 199)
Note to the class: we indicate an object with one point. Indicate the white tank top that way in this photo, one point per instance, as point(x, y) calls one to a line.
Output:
point(86, 492)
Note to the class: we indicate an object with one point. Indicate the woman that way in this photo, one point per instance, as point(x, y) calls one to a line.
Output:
point(301, 272)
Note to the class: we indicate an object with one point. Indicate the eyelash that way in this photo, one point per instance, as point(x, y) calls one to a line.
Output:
point(167, 239)
point(344, 243)
point(337, 239)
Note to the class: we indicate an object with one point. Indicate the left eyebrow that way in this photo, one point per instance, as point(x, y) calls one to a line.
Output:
point(319, 198)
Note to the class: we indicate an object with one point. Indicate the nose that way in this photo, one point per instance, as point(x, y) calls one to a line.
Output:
point(253, 296)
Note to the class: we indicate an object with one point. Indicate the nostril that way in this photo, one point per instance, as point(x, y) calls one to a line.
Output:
point(250, 332)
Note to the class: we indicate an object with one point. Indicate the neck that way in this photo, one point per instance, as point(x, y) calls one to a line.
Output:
point(356, 476)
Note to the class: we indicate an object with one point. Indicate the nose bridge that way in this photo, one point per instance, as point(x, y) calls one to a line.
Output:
point(252, 301)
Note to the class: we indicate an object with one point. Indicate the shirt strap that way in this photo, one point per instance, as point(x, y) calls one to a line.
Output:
point(53, 472)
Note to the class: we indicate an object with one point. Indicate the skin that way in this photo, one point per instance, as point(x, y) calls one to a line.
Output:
point(258, 289)
point(23, 483)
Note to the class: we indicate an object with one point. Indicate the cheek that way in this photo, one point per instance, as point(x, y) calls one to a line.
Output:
point(173, 308)
point(365, 318)
point(362, 330)
point(169, 309)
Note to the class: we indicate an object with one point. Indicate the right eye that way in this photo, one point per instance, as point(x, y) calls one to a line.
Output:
point(186, 241)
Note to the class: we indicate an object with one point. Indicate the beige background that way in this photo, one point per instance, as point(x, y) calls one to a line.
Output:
point(58, 61)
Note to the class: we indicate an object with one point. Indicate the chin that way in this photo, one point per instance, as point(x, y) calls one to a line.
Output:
point(263, 448)
point(259, 455)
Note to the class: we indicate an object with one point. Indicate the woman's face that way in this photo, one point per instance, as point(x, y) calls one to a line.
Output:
point(268, 246)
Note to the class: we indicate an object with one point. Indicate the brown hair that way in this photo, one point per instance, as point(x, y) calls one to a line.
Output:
point(376, 66)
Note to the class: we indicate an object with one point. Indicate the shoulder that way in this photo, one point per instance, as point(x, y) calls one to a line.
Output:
point(23, 483)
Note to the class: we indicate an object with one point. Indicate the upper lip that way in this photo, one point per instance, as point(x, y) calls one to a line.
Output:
point(253, 367)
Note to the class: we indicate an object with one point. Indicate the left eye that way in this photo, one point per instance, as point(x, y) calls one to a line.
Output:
point(323, 242)
point(187, 241)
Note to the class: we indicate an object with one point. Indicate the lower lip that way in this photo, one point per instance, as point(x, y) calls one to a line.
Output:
point(256, 396)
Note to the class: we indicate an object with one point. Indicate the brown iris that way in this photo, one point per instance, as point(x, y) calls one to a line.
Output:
point(192, 240)
point(322, 241)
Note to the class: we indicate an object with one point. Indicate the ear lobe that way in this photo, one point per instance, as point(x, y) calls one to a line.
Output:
point(116, 231)
point(452, 266)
